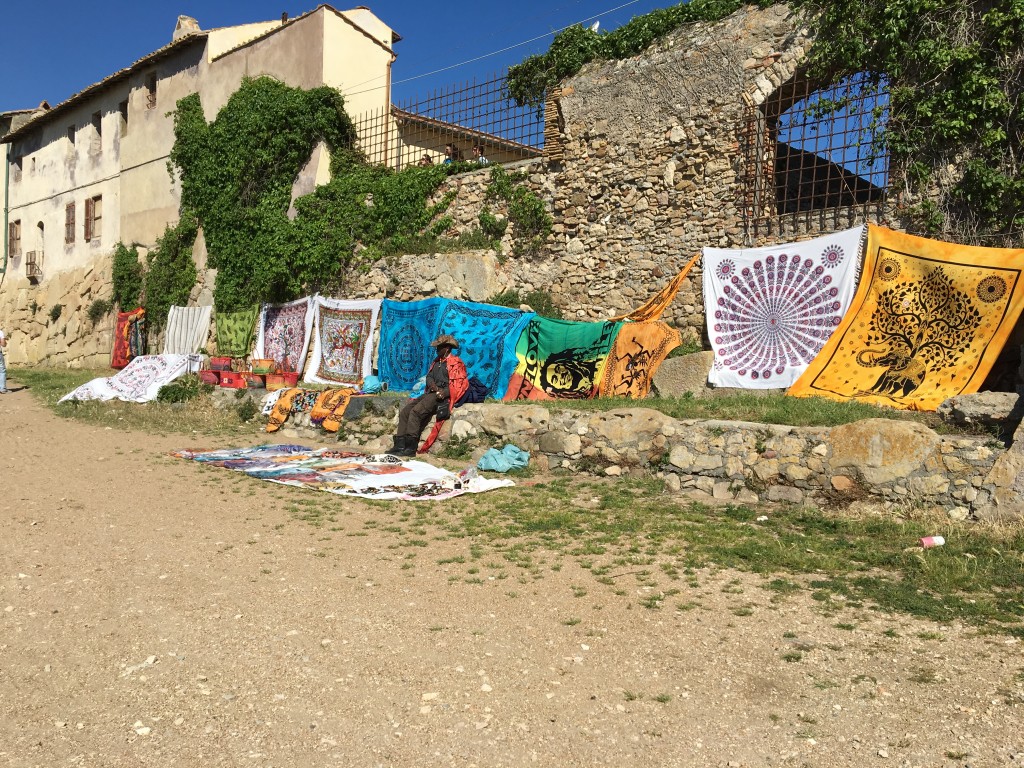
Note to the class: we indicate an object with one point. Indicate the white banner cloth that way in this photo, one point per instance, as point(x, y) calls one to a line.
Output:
point(138, 382)
point(187, 330)
point(770, 310)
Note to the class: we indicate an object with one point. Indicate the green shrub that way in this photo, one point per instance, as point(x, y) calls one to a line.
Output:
point(170, 272)
point(55, 311)
point(99, 309)
point(246, 409)
point(127, 277)
point(181, 390)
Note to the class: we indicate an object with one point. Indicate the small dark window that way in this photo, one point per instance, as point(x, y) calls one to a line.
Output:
point(122, 109)
point(151, 91)
point(97, 132)
point(69, 223)
point(16, 169)
point(71, 135)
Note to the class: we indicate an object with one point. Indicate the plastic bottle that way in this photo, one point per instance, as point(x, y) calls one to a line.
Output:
point(932, 541)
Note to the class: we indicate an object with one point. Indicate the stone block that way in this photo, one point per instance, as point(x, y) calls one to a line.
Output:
point(883, 450)
point(512, 420)
point(688, 373)
point(626, 425)
point(722, 490)
point(999, 409)
point(785, 493)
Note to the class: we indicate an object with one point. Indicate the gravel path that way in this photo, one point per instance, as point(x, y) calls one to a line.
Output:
point(157, 613)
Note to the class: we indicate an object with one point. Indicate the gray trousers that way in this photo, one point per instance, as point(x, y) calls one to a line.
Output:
point(415, 415)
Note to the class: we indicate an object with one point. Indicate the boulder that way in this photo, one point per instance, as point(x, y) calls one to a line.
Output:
point(687, 373)
point(882, 449)
point(1007, 475)
point(986, 409)
point(628, 425)
point(511, 420)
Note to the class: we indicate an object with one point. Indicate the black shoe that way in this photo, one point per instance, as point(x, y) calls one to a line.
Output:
point(407, 446)
point(396, 449)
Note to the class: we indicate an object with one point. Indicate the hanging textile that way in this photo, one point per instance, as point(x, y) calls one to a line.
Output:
point(138, 382)
point(928, 321)
point(343, 341)
point(487, 337)
point(770, 310)
point(235, 331)
point(638, 351)
point(129, 337)
point(560, 359)
point(187, 329)
point(406, 330)
point(657, 304)
point(283, 333)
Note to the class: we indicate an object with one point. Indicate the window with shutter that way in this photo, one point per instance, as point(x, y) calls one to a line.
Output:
point(89, 222)
point(69, 223)
point(14, 237)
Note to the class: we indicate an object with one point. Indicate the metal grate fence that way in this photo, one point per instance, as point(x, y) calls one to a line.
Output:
point(811, 158)
point(474, 115)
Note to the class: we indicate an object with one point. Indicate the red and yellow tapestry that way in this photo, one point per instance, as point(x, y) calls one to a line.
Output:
point(928, 322)
point(129, 337)
point(638, 351)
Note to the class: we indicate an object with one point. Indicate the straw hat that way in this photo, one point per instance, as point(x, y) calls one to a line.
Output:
point(445, 339)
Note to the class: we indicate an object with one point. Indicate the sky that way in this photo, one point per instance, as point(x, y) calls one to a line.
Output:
point(54, 48)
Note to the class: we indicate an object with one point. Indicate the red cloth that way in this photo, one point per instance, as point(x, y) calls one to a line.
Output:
point(124, 330)
point(458, 385)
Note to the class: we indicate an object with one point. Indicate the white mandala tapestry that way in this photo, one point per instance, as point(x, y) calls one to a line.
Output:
point(770, 310)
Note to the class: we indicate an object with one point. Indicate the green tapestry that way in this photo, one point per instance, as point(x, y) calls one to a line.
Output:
point(235, 331)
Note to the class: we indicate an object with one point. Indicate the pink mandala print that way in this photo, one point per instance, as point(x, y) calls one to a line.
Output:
point(832, 256)
point(775, 314)
point(725, 269)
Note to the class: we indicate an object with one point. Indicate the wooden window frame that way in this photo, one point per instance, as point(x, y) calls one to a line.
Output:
point(151, 84)
point(93, 223)
point(14, 237)
point(69, 223)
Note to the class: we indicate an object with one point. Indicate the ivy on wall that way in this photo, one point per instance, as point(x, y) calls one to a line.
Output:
point(127, 278)
point(956, 122)
point(170, 272)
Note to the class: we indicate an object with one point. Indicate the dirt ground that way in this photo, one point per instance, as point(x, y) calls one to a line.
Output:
point(157, 613)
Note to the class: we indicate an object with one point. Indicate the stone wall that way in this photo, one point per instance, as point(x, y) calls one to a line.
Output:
point(72, 340)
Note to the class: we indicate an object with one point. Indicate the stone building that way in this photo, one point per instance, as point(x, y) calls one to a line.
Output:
point(91, 171)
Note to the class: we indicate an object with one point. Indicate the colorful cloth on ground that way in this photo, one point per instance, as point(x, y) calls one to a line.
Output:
point(283, 335)
point(928, 321)
point(345, 472)
point(234, 332)
point(406, 330)
point(329, 408)
point(294, 400)
point(657, 304)
point(343, 342)
point(139, 382)
point(638, 351)
point(129, 337)
point(487, 337)
point(187, 330)
point(771, 310)
point(560, 359)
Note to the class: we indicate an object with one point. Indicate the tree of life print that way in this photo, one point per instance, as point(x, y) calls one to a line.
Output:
point(775, 314)
point(918, 327)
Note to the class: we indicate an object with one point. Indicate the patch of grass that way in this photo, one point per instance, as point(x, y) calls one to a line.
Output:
point(924, 676)
point(663, 698)
point(792, 656)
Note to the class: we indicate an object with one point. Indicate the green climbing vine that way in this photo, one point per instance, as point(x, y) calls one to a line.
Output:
point(955, 130)
point(531, 222)
point(127, 277)
point(237, 175)
point(170, 271)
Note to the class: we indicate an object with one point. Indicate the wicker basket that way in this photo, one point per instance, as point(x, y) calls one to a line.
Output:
point(282, 380)
point(220, 363)
point(253, 380)
point(263, 366)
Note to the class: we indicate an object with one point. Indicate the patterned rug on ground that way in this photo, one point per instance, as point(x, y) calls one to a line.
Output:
point(343, 342)
point(283, 333)
point(927, 323)
point(487, 337)
point(139, 382)
point(406, 330)
point(345, 472)
point(561, 359)
point(770, 310)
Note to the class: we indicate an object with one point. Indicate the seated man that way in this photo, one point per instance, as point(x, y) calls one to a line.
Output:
point(446, 383)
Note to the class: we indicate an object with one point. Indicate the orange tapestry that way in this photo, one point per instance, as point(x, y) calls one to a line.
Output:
point(653, 308)
point(928, 322)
